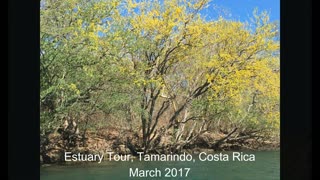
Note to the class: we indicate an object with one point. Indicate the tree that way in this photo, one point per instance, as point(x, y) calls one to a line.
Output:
point(177, 57)
point(77, 64)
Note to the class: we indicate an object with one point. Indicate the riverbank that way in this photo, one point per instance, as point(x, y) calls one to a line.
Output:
point(54, 145)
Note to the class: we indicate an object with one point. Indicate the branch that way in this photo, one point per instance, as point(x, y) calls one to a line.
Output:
point(217, 144)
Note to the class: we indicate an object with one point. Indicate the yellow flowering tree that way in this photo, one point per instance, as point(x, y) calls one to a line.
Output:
point(176, 57)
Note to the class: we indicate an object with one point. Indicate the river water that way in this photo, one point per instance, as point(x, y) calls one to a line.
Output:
point(265, 167)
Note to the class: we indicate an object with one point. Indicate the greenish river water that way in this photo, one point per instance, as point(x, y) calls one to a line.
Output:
point(265, 167)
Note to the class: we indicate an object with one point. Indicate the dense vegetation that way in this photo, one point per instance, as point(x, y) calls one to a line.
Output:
point(156, 69)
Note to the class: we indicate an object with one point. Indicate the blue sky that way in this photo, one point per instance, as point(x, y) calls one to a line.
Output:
point(242, 9)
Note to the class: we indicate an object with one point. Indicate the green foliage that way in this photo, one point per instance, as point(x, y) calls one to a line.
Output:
point(144, 60)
